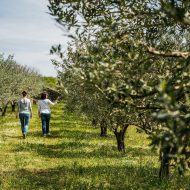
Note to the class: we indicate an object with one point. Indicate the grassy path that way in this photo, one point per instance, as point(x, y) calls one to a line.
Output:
point(75, 157)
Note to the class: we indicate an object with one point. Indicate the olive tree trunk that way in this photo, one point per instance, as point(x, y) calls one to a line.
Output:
point(94, 122)
point(164, 164)
point(103, 126)
point(13, 106)
point(120, 137)
point(4, 109)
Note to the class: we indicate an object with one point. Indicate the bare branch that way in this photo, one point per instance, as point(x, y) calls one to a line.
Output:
point(168, 54)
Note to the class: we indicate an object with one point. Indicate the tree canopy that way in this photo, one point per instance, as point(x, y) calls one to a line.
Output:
point(136, 55)
point(15, 78)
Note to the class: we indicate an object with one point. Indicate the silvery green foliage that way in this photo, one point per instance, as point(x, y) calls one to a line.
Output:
point(136, 54)
point(15, 78)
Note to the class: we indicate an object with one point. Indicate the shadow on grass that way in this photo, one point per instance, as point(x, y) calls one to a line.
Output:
point(62, 132)
point(96, 177)
point(80, 135)
point(69, 124)
point(12, 136)
point(69, 178)
point(80, 150)
point(78, 145)
point(140, 151)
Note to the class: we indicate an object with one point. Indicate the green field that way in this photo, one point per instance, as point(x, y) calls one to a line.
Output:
point(75, 157)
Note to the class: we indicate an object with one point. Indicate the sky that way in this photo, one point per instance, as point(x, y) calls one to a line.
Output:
point(27, 31)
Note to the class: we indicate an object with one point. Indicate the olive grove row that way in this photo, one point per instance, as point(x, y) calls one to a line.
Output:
point(15, 78)
point(129, 64)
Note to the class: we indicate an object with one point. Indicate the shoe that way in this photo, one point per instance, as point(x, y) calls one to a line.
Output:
point(24, 136)
point(44, 135)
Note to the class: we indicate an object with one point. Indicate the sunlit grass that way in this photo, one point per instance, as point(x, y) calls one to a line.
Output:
point(75, 157)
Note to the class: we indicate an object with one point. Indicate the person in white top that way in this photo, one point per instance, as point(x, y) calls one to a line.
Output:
point(24, 112)
point(44, 112)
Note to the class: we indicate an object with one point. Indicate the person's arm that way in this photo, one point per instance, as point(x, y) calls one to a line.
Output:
point(39, 109)
point(51, 103)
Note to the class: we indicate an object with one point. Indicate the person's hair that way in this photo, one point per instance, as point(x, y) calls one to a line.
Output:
point(24, 93)
point(43, 95)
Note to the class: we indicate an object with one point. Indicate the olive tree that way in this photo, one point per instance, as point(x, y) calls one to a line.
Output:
point(15, 78)
point(83, 97)
point(137, 55)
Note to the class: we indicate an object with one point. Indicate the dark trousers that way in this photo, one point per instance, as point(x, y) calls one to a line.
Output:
point(45, 118)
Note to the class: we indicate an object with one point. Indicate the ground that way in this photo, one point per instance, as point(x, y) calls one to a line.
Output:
point(76, 157)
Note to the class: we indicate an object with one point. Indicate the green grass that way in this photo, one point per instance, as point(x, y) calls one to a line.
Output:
point(75, 157)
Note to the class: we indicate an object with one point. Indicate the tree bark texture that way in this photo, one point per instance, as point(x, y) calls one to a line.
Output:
point(120, 137)
point(164, 164)
point(103, 126)
point(4, 110)
point(13, 106)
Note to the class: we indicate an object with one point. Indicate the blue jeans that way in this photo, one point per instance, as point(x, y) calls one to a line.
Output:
point(24, 120)
point(45, 118)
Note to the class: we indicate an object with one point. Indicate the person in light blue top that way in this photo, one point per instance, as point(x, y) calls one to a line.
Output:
point(25, 113)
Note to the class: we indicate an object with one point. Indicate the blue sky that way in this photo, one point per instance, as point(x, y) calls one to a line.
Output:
point(28, 32)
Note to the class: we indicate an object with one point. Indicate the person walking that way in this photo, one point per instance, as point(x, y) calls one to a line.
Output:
point(25, 113)
point(44, 113)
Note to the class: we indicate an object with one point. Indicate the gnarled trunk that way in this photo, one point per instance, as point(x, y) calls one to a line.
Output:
point(94, 122)
point(164, 164)
point(103, 126)
point(13, 106)
point(4, 109)
point(120, 137)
